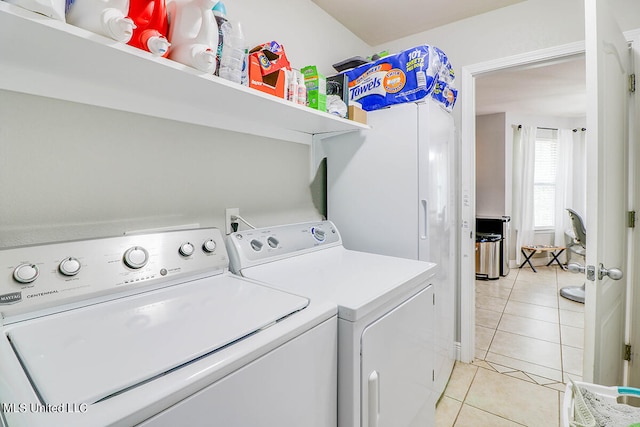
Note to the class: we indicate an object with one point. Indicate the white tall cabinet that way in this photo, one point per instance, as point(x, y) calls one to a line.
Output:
point(391, 191)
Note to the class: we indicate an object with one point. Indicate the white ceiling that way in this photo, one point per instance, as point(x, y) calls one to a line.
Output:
point(557, 90)
point(381, 21)
point(552, 90)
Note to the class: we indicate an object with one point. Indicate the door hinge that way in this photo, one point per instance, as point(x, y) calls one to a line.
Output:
point(627, 352)
point(632, 83)
point(631, 222)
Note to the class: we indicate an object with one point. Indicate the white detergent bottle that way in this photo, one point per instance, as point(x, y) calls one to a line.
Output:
point(105, 17)
point(193, 33)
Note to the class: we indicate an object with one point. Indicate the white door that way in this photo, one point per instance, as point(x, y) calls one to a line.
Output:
point(397, 366)
point(607, 80)
point(437, 225)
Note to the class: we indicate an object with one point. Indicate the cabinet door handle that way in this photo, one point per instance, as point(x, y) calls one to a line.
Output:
point(424, 221)
point(374, 399)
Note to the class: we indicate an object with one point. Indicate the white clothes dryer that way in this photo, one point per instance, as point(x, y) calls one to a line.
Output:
point(385, 316)
point(153, 330)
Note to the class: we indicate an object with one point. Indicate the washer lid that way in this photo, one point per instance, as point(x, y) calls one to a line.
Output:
point(88, 354)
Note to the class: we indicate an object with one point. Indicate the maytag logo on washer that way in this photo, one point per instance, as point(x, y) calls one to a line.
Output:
point(11, 298)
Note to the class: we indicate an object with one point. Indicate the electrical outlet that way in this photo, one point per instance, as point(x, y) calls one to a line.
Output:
point(228, 213)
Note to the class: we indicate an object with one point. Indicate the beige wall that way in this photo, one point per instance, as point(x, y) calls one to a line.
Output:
point(309, 35)
point(490, 165)
point(524, 27)
point(71, 171)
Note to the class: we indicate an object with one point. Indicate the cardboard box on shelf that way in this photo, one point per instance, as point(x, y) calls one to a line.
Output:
point(267, 64)
point(357, 114)
point(316, 85)
point(273, 83)
point(271, 57)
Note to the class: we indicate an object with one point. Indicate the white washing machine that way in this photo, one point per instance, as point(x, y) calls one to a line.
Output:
point(385, 316)
point(153, 330)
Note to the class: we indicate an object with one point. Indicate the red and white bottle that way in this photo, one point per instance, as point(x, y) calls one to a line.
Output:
point(150, 19)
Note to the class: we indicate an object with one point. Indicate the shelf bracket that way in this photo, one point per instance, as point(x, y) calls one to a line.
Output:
point(317, 149)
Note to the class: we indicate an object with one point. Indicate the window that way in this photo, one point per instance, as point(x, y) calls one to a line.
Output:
point(544, 180)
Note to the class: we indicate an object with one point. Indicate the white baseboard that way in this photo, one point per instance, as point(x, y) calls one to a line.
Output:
point(458, 350)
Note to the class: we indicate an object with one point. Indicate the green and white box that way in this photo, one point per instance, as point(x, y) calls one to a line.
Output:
point(316, 85)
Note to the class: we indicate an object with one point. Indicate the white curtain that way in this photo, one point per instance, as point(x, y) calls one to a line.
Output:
point(524, 147)
point(564, 184)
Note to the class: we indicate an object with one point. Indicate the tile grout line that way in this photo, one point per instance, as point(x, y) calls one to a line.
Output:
point(501, 373)
point(489, 366)
point(559, 334)
point(503, 310)
point(464, 398)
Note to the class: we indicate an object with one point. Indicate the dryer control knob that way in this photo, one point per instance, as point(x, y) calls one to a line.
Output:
point(26, 273)
point(273, 242)
point(70, 266)
point(319, 234)
point(209, 246)
point(136, 257)
point(186, 249)
point(256, 245)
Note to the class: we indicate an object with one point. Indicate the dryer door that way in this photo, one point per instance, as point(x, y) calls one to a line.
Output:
point(397, 366)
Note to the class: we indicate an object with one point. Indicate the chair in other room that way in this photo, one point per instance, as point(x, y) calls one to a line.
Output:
point(576, 293)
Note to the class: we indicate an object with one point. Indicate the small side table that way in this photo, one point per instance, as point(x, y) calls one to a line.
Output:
point(534, 249)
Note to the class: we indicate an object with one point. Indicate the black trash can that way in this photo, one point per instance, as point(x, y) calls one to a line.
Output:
point(488, 256)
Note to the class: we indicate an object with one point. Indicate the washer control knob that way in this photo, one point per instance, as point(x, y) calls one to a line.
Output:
point(136, 257)
point(273, 242)
point(209, 246)
point(70, 266)
point(25, 273)
point(256, 245)
point(186, 249)
point(319, 234)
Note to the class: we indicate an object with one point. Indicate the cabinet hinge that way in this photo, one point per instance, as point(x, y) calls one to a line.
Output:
point(627, 352)
point(434, 299)
point(632, 83)
point(433, 375)
point(631, 219)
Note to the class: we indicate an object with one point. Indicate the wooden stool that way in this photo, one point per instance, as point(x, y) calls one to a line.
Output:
point(534, 249)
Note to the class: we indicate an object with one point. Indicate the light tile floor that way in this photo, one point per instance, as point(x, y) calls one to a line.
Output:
point(528, 345)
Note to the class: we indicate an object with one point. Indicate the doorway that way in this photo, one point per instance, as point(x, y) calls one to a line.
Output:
point(522, 324)
point(529, 62)
point(468, 196)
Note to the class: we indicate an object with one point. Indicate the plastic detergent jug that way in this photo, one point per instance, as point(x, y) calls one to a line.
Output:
point(106, 17)
point(150, 18)
point(52, 8)
point(193, 33)
point(220, 13)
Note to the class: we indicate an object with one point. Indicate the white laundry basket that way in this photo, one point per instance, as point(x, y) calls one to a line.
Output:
point(576, 413)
